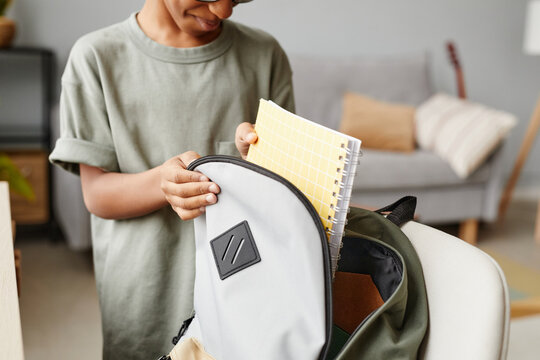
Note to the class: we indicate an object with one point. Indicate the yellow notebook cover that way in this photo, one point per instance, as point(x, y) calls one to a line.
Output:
point(319, 161)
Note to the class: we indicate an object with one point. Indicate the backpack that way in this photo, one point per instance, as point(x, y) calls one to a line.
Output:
point(264, 287)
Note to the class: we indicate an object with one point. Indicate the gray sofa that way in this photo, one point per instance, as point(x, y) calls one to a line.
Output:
point(382, 176)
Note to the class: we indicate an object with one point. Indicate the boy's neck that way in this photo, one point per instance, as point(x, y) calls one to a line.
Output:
point(156, 22)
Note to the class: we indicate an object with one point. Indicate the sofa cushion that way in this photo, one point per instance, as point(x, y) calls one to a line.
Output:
point(419, 169)
point(319, 83)
point(380, 125)
point(461, 132)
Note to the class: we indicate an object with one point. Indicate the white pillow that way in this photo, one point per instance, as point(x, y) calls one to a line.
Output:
point(461, 132)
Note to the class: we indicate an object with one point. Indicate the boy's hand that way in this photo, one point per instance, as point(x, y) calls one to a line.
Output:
point(188, 192)
point(245, 136)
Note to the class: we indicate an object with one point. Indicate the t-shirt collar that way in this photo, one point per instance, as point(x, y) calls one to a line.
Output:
point(180, 55)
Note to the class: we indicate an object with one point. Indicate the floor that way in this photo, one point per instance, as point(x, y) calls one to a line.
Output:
point(59, 307)
point(60, 313)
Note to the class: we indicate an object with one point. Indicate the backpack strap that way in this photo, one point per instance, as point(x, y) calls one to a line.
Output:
point(401, 211)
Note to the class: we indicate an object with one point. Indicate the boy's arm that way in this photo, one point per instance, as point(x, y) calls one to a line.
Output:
point(120, 196)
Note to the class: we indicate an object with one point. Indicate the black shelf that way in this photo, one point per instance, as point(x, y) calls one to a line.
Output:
point(27, 50)
point(46, 58)
point(35, 134)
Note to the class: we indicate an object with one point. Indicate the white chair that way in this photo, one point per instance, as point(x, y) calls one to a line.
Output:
point(469, 311)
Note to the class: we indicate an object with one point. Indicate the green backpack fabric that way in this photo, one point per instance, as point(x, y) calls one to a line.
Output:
point(374, 245)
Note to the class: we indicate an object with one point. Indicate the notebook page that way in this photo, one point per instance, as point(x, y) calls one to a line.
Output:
point(307, 154)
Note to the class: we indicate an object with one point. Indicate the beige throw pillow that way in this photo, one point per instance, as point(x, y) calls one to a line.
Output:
point(380, 125)
point(461, 132)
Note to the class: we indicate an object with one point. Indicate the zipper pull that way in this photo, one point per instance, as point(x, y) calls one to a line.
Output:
point(181, 332)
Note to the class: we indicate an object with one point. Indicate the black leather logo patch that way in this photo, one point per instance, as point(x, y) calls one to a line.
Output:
point(234, 250)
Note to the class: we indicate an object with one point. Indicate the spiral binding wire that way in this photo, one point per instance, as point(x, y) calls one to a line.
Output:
point(336, 258)
point(334, 246)
point(338, 222)
point(346, 173)
point(342, 186)
point(351, 160)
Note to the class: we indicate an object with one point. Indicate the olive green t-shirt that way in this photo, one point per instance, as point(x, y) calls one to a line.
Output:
point(128, 104)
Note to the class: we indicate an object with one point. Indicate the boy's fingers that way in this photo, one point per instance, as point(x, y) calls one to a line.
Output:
point(188, 157)
point(244, 137)
point(180, 175)
point(186, 190)
point(251, 137)
point(245, 132)
point(174, 169)
point(188, 214)
point(194, 202)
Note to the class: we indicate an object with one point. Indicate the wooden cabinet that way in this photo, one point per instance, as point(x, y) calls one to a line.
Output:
point(33, 165)
point(25, 104)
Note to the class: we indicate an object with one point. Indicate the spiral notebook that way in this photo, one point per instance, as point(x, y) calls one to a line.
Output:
point(319, 161)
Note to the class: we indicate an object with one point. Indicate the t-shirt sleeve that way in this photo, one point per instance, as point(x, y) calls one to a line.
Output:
point(85, 133)
point(281, 82)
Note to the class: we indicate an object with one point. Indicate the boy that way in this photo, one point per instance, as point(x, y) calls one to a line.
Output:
point(176, 76)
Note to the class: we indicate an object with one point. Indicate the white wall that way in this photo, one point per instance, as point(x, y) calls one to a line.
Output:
point(488, 33)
